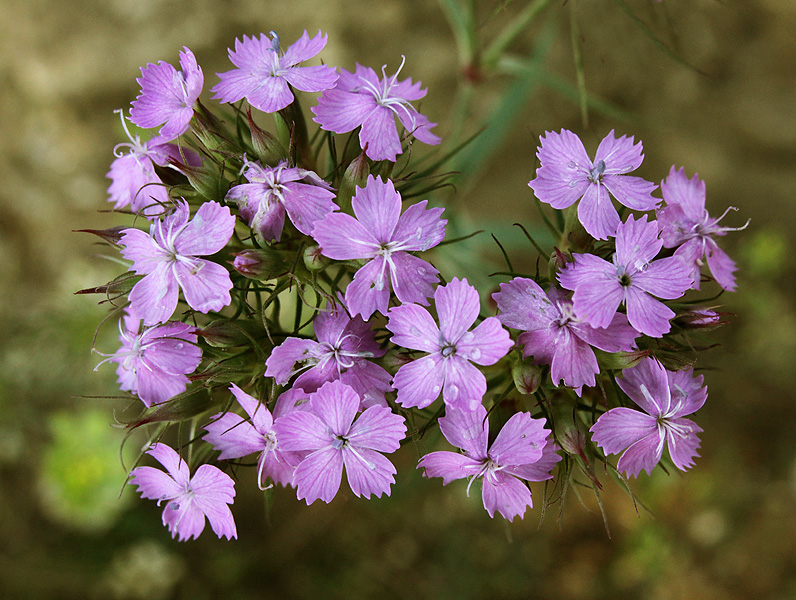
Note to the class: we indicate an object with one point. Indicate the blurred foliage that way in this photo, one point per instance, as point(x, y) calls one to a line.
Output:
point(725, 530)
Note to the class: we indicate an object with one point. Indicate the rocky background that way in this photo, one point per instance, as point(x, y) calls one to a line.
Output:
point(725, 530)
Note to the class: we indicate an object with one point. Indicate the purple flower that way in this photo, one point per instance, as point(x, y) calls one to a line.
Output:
point(686, 223)
point(521, 450)
point(334, 439)
point(236, 436)
point(168, 95)
point(451, 348)
point(567, 174)
point(167, 256)
point(633, 278)
point(272, 191)
point(264, 75)
point(341, 352)
point(153, 362)
point(134, 181)
point(555, 335)
point(383, 235)
point(362, 99)
point(664, 398)
point(189, 499)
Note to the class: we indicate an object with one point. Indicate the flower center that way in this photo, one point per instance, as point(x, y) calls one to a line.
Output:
point(596, 172)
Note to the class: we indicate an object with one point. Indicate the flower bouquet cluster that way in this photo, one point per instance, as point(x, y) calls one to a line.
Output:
point(281, 301)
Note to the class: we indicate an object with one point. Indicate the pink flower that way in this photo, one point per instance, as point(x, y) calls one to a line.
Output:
point(168, 95)
point(451, 348)
point(522, 450)
point(567, 174)
point(687, 226)
point(334, 439)
point(264, 75)
point(188, 499)
point(154, 362)
point(236, 436)
point(664, 398)
point(362, 99)
point(384, 236)
point(555, 335)
point(167, 257)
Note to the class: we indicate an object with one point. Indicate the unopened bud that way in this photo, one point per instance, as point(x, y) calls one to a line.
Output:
point(619, 360)
point(266, 147)
point(527, 377)
point(262, 265)
point(701, 318)
point(313, 259)
point(224, 334)
point(356, 175)
point(206, 180)
point(208, 128)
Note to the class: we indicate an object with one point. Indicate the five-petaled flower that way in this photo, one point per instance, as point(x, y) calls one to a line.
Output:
point(167, 257)
point(264, 74)
point(334, 439)
point(687, 226)
point(451, 348)
point(567, 174)
point(383, 235)
point(522, 450)
point(168, 95)
point(188, 499)
point(361, 99)
point(664, 398)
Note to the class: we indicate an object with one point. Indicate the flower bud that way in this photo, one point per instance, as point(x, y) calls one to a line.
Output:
point(266, 147)
point(207, 128)
point(611, 361)
point(205, 179)
point(700, 318)
point(355, 176)
point(224, 334)
point(527, 377)
point(313, 259)
point(262, 265)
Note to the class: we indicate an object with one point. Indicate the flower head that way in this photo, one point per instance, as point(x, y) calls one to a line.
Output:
point(361, 99)
point(154, 361)
point(168, 95)
point(664, 398)
point(555, 335)
point(522, 450)
point(333, 439)
point(451, 348)
point(566, 174)
point(384, 236)
point(632, 279)
point(687, 226)
point(167, 257)
point(188, 499)
point(272, 191)
point(264, 73)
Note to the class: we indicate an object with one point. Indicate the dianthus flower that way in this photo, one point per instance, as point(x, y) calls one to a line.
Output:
point(236, 436)
point(272, 191)
point(362, 99)
point(264, 75)
point(687, 226)
point(134, 181)
point(664, 398)
point(168, 95)
point(188, 499)
point(566, 174)
point(383, 235)
point(522, 450)
point(555, 335)
point(154, 361)
point(632, 279)
point(167, 257)
point(334, 439)
point(341, 351)
point(451, 348)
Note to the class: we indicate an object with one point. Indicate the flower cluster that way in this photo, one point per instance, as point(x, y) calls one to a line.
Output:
point(321, 342)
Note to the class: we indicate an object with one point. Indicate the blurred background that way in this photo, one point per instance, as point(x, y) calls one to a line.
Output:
point(706, 84)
